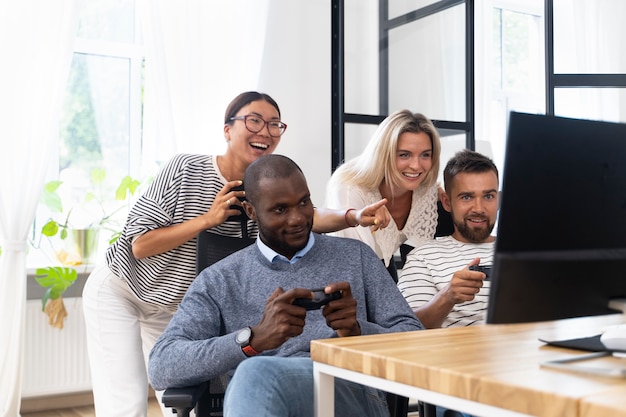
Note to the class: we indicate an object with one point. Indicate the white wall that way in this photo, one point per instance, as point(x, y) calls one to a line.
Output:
point(296, 72)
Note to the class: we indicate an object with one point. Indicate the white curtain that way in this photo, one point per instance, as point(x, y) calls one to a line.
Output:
point(199, 55)
point(36, 41)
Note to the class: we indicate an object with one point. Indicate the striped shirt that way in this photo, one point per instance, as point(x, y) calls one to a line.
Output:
point(429, 268)
point(184, 189)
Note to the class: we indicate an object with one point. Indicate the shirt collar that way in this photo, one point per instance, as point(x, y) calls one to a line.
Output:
point(275, 257)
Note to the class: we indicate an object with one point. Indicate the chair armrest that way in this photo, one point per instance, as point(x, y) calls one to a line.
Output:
point(185, 397)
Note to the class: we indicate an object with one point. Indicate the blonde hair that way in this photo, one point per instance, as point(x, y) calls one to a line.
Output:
point(377, 162)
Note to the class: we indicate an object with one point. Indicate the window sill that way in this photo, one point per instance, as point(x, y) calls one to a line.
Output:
point(35, 291)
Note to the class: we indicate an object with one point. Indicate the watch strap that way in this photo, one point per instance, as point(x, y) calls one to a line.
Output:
point(248, 350)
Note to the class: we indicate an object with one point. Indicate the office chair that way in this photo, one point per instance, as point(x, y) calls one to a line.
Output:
point(207, 398)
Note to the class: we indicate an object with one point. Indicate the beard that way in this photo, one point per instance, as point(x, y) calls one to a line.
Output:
point(284, 246)
point(473, 234)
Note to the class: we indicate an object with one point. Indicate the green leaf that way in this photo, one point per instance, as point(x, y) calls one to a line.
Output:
point(56, 279)
point(52, 186)
point(50, 229)
point(114, 237)
point(127, 185)
point(50, 198)
point(44, 299)
point(98, 175)
point(90, 196)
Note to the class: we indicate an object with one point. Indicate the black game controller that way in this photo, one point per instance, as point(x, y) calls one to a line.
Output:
point(485, 269)
point(242, 216)
point(319, 299)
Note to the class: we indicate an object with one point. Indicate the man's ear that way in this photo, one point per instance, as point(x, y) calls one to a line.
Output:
point(445, 202)
point(249, 209)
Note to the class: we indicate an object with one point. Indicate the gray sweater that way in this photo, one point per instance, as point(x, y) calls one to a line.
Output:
point(199, 342)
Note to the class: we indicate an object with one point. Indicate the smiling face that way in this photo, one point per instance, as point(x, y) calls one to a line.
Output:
point(472, 200)
point(413, 159)
point(284, 212)
point(246, 146)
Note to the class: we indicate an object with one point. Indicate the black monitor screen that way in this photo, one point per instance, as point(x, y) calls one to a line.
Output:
point(561, 242)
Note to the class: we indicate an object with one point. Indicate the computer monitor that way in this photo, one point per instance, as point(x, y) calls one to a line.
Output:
point(561, 244)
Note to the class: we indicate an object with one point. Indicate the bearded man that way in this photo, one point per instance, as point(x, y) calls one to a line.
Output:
point(439, 279)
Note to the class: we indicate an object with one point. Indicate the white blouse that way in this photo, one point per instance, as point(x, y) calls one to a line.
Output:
point(420, 225)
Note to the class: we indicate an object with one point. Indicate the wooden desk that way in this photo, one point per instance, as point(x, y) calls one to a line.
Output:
point(488, 370)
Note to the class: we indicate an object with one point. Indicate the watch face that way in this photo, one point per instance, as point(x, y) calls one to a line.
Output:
point(243, 336)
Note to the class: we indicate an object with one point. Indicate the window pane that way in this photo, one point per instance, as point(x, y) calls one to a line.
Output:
point(95, 116)
point(356, 138)
point(607, 104)
point(425, 76)
point(450, 145)
point(517, 59)
point(427, 65)
point(516, 72)
point(94, 137)
point(361, 57)
point(107, 20)
point(588, 36)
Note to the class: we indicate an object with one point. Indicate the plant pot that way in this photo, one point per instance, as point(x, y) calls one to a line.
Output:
point(84, 243)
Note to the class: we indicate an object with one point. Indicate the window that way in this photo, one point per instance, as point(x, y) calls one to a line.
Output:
point(99, 141)
point(512, 78)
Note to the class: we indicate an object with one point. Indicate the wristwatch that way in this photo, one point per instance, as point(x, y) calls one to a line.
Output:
point(243, 339)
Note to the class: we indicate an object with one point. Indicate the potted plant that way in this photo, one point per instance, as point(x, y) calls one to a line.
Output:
point(56, 279)
point(82, 236)
point(85, 235)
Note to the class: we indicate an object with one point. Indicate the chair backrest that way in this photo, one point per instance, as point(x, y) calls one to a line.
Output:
point(212, 247)
point(445, 226)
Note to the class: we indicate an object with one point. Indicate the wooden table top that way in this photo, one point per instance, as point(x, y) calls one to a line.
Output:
point(494, 364)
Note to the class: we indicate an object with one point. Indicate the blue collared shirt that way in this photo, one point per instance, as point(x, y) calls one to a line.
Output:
point(274, 256)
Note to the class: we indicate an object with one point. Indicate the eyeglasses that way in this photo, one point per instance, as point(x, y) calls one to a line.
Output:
point(255, 124)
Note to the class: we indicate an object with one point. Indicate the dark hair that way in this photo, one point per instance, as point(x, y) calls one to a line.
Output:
point(244, 99)
point(267, 167)
point(467, 161)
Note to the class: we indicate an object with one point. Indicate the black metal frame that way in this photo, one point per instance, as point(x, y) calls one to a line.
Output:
point(340, 117)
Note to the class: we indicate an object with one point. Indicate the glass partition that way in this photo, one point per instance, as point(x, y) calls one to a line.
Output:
point(606, 104)
point(394, 55)
point(361, 57)
point(427, 65)
point(588, 37)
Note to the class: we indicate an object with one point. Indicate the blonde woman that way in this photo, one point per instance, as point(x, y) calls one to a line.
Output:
point(400, 163)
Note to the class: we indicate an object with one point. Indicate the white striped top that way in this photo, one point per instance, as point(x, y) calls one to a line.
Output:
point(183, 189)
point(429, 268)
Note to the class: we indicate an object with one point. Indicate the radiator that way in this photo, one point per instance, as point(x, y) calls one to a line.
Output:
point(55, 361)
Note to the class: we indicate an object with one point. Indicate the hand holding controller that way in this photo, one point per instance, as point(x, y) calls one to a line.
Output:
point(319, 299)
point(486, 269)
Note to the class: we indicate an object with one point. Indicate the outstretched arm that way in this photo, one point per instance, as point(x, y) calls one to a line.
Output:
point(374, 215)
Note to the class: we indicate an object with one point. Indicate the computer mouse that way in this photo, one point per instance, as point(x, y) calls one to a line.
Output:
point(614, 338)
